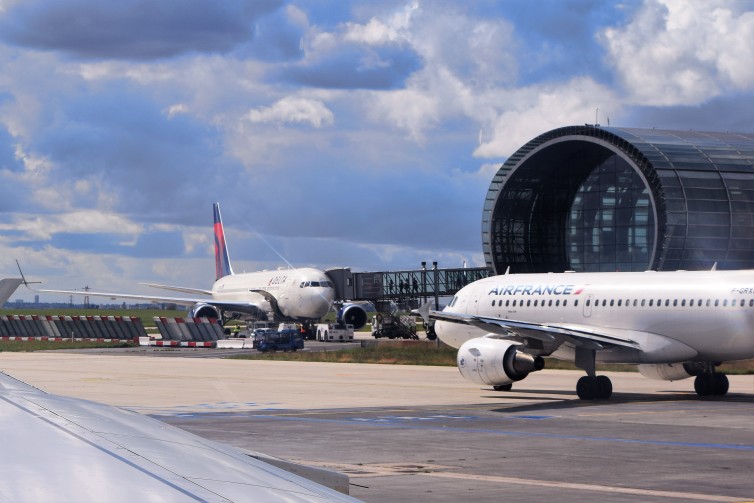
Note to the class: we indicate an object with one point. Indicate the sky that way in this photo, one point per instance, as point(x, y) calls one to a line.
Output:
point(332, 133)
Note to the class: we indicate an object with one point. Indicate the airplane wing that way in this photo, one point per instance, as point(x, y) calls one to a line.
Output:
point(226, 305)
point(65, 449)
point(183, 289)
point(7, 287)
point(580, 335)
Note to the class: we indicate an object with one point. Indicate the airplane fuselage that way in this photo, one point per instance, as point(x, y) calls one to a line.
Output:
point(676, 316)
point(304, 293)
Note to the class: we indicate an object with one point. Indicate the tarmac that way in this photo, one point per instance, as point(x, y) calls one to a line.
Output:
point(412, 433)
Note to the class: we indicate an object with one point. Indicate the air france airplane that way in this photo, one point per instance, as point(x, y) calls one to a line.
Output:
point(300, 295)
point(674, 325)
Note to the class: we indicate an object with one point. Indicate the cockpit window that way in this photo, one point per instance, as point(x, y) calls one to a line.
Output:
point(453, 302)
point(321, 284)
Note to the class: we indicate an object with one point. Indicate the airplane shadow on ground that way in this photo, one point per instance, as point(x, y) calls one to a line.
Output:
point(618, 398)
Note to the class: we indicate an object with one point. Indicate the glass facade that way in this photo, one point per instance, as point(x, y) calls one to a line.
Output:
point(611, 224)
point(588, 198)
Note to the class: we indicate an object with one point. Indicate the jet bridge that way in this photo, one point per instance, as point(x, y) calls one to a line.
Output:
point(413, 286)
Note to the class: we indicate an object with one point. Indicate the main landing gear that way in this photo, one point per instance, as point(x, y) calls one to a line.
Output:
point(711, 383)
point(594, 388)
point(591, 386)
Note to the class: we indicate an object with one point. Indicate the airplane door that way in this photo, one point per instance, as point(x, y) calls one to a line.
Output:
point(588, 305)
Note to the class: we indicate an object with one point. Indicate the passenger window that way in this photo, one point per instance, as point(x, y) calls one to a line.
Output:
point(751, 303)
point(667, 302)
point(651, 302)
point(493, 303)
point(604, 302)
point(620, 302)
point(557, 303)
point(634, 302)
point(675, 302)
point(683, 302)
point(691, 303)
point(642, 302)
point(535, 302)
point(587, 302)
point(717, 302)
point(507, 303)
point(707, 302)
point(514, 302)
point(549, 304)
point(612, 302)
point(528, 303)
point(725, 303)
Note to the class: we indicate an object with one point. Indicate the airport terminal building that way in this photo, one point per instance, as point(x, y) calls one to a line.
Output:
point(591, 198)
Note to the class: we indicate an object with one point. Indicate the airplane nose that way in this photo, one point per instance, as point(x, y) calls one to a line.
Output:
point(321, 304)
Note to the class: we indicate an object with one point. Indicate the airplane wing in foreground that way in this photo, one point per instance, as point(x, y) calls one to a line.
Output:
point(580, 335)
point(65, 449)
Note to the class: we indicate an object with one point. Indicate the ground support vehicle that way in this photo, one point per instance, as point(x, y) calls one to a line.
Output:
point(339, 332)
point(283, 340)
point(394, 326)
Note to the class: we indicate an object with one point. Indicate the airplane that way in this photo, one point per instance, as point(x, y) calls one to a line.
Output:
point(7, 287)
point(674, 325)
point(68, 449)
point(299, 295)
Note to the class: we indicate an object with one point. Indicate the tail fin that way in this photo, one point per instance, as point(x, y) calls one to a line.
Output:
point(222, 260)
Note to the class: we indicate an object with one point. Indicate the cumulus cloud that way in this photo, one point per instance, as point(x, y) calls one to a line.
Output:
point(683, 53)
point(294, 110)
point(538, 109)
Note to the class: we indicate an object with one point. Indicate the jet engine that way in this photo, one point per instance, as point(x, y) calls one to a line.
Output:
point(671, 371)
point(352, 314)
point(205, 311)
point(495, 362)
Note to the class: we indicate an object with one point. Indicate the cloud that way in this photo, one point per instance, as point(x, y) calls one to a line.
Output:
point(683, 53)
point(540, 108)
point(294, 110)
point(132, 29)
point(41, 227)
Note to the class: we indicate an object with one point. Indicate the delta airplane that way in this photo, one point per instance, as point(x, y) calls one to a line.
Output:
point(674, 325)
point(299, 295)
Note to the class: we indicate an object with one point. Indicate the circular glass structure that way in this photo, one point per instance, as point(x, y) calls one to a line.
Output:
point(587, 198)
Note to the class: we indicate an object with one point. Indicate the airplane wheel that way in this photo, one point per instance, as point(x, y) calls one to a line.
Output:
point(711, 384)
point(586, 388)
point(503, 387)
point(604, 387)
point(704, 384)
point(721, 384)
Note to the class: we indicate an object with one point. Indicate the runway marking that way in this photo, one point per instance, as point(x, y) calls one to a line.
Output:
point(584, 487)
point(437, 471)
point(508, 433)
point(693, 411)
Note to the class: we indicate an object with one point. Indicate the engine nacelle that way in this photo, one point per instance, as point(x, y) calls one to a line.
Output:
point(671, 371)
point(352, 314)
point(495, 362)
point(205, 311)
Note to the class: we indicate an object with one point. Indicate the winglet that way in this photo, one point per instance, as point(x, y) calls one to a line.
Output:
point(222, 260)
point(423, 311)
point(7, 288)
